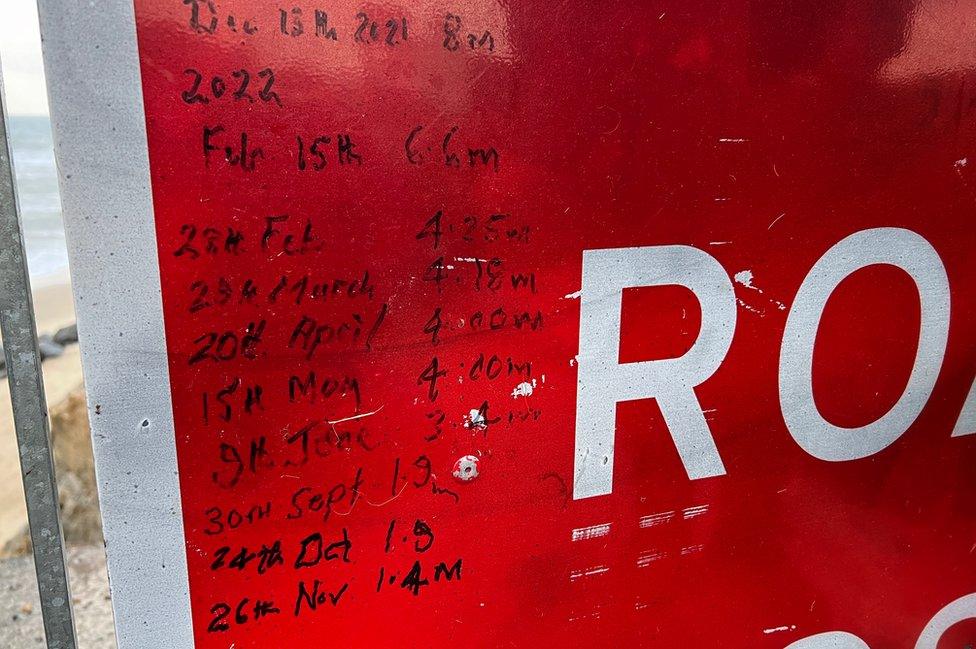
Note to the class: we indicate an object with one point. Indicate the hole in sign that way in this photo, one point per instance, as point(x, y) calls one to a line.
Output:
point(466, 468)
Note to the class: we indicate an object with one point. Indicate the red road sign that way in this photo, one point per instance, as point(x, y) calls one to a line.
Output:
point(503, 325)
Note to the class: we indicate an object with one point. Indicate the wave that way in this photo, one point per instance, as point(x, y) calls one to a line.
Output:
point(37, 193)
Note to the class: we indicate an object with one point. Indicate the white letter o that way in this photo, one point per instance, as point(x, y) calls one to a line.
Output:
point(893, 246)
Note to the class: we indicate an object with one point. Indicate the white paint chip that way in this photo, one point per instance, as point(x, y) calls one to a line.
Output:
point(745, 278)
point(475, 420)
point(524, 389)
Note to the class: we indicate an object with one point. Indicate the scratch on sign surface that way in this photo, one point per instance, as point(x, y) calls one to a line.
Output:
point(775, 220)
point(594, 615)
point(591, 532)
point(692, 512)
point(647, 558)
point(589, 572)
point(655, 519)
point(333, 422)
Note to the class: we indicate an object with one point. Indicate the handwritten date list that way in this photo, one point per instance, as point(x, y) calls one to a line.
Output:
point(337, 343)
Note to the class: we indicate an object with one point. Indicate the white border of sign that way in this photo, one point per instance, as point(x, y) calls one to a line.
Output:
point(91, 60)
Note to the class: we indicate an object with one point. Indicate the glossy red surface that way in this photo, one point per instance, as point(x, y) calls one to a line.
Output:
point(759, 132)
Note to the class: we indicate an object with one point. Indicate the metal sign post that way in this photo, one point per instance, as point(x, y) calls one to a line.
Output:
point(30, 411)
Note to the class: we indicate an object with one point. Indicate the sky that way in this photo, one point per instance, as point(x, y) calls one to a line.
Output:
point(20, 58)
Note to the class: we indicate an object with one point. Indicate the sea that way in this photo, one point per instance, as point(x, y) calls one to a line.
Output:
point(37, 191)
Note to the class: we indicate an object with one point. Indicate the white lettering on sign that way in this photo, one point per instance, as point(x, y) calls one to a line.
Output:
point(893, 246)
point(830, 640)
point(953, 613)
point(966, 424)
point(603, 381)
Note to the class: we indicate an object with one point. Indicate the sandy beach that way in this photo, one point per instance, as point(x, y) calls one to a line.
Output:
point(53, 309)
